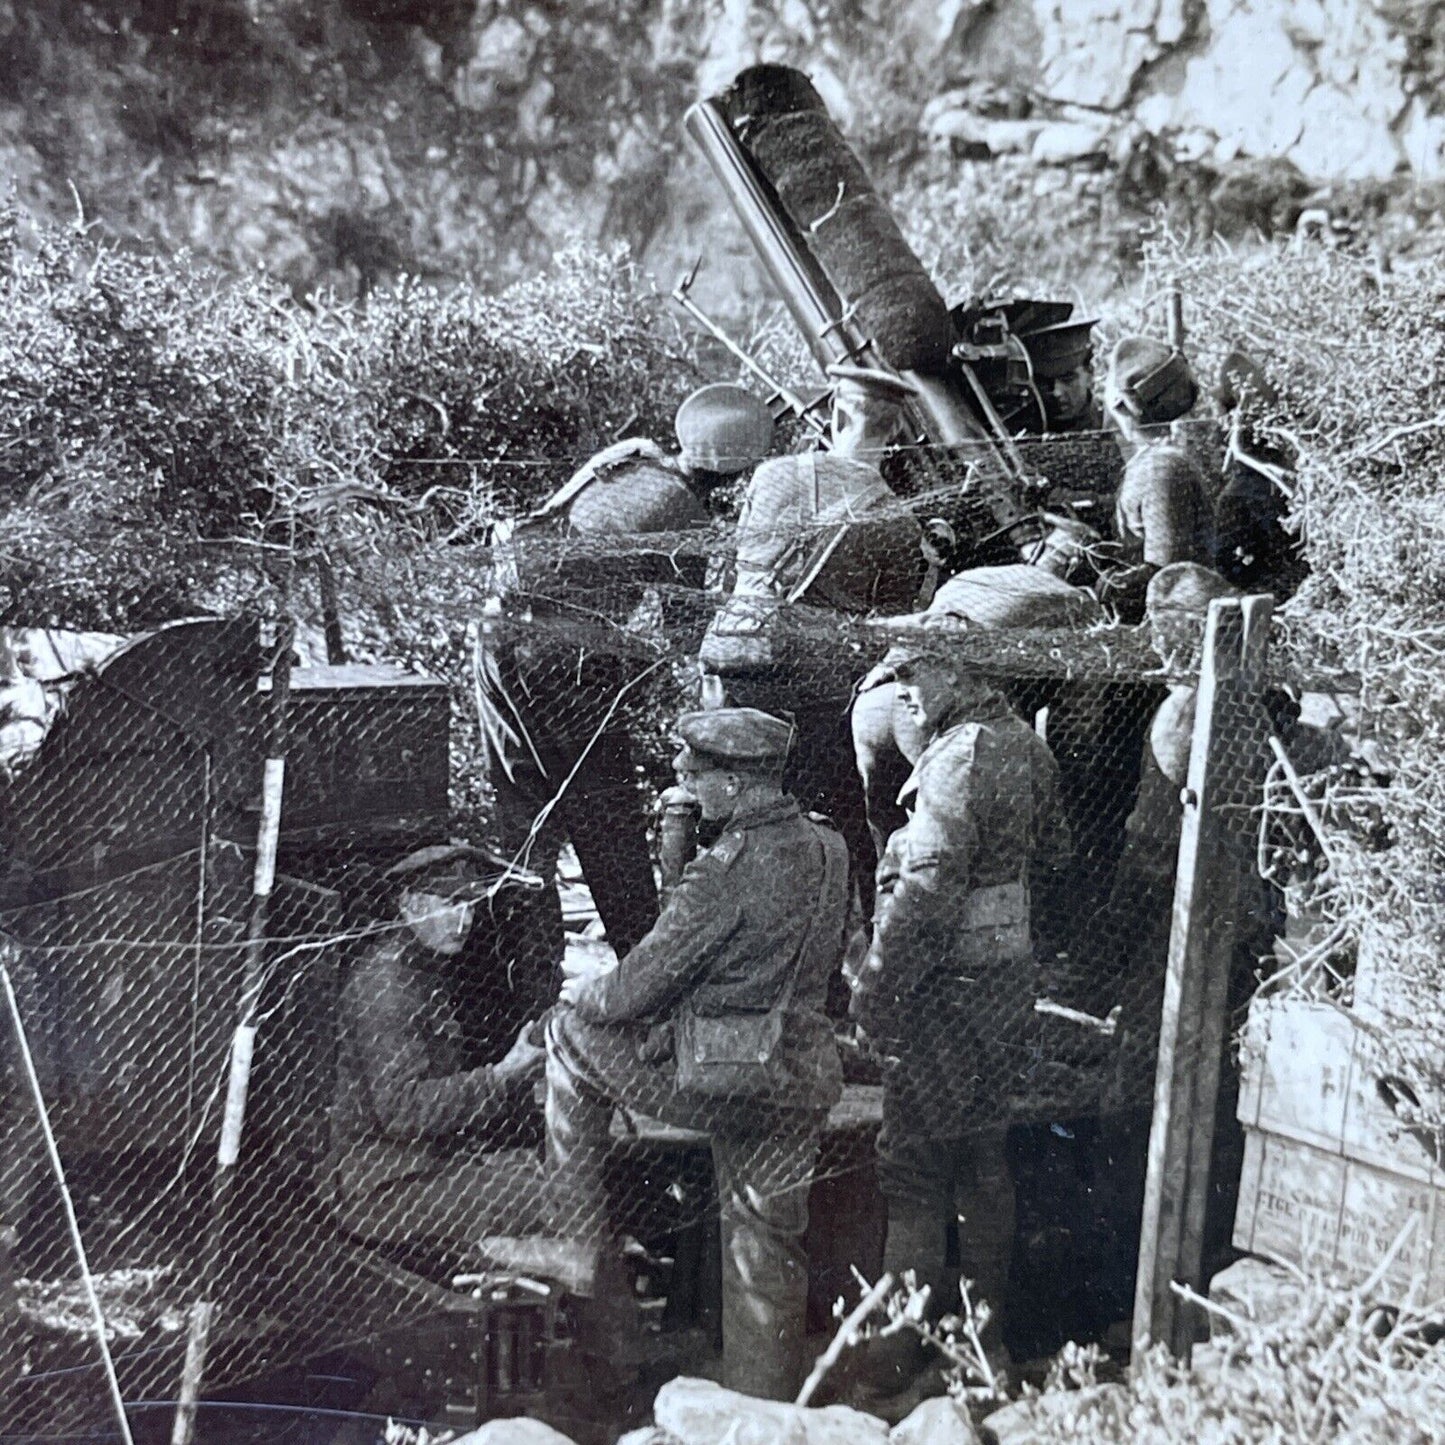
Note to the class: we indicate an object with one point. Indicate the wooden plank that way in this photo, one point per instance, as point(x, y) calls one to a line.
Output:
point(1192, 1024)
point(1236, 763)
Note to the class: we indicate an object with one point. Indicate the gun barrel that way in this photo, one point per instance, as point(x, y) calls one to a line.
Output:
point(941, 413)
point(814, 305)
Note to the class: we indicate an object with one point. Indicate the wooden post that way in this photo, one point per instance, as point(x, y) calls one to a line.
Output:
point(228, 1151)
point(1223, 774)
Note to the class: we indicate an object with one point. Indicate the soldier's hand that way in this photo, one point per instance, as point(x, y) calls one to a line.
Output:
point(575, 985)
point(524, 1061)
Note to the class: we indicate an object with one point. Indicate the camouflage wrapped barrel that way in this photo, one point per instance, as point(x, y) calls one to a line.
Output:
point(781, 120)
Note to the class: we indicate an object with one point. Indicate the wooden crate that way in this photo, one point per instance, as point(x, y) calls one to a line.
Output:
point(1311, 1075)
point(1322, 1210)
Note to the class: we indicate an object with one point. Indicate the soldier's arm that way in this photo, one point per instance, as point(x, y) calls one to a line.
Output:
point(702, 914)
point(408, 1103)
point(1170, 512)
point(935, 854)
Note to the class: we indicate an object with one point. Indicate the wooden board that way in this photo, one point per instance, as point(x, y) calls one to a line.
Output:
point(1321, 1210)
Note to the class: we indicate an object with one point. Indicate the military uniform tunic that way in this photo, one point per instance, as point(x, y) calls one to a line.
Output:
point(948, 984)
point(419, 1142)
point(1162, 513)
point(557, 656)
point(726, 943)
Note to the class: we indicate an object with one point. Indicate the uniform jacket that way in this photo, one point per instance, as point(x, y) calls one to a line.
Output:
point(728, 938)
point(955, 880)
point(629, 490)
point(403, 1099)
point(1162, 512)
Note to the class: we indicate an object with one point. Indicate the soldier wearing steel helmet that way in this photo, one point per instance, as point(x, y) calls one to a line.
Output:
point(946, 991)
point(746, 943)
point(557, 656)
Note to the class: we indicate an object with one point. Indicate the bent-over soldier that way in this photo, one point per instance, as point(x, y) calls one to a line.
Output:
point(557, 654)
point(825, 530)
point(947, 989)
point(715, 1022)
point(420, 1143)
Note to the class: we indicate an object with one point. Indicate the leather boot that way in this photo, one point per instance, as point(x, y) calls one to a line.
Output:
point(917, 1240)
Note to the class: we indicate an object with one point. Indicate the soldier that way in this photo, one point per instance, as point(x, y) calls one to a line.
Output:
point(1162, 512)
point(735, 969)
point(557, 655)
point(1124, 949)
point(420, 1141)
point(1061, 359)
point(947, 988)
point(886, 740)
point(826, 530)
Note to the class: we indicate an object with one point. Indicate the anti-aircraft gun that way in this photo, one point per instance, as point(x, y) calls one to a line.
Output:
point(858, 293)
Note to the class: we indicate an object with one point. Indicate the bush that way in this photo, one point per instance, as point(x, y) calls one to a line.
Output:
point(167, 437)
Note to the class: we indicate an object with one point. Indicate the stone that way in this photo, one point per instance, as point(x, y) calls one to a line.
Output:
point(1008, 137)
point(1337, 140)
point(698, 1412)
point(1253, 1289)
point(1422, 137)
point(958, 125)
point(935, 1422)
point(514, 1432)
point(1093, 49)
point(1089, 1414)
point(1247, 87)
point(1171, 23)
point(1065, 141)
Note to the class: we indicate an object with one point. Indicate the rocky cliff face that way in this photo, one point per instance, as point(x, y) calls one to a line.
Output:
point(341, 141)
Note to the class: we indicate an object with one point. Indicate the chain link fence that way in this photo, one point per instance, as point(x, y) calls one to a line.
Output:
point(391, 1203)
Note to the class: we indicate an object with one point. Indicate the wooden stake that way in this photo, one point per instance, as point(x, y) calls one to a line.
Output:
point(243, 1042)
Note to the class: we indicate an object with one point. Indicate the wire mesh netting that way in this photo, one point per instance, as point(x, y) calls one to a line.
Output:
point(488, 1197)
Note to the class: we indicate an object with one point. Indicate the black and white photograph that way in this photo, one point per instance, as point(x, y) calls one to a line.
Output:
point(721, 722)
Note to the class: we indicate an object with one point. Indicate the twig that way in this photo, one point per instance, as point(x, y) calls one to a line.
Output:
point(1399, 433)
point(1307, 807)
point(847, 1334)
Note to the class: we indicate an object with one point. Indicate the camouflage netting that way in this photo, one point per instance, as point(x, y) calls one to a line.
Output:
point(175, 451)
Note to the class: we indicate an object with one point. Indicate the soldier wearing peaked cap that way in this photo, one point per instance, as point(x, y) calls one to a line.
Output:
point(715, 1021)
point(1061, 359)
point(1162, 513)
point(554, 657)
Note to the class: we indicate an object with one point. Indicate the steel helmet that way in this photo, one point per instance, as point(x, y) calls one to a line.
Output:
point(723, 428)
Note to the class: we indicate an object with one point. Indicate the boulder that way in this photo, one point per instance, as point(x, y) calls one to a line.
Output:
point(1068, 140)
point(1090, 1413)
point(1338, 139)
point(935, 1422)
point(699, 1412)
point(514, 1432)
